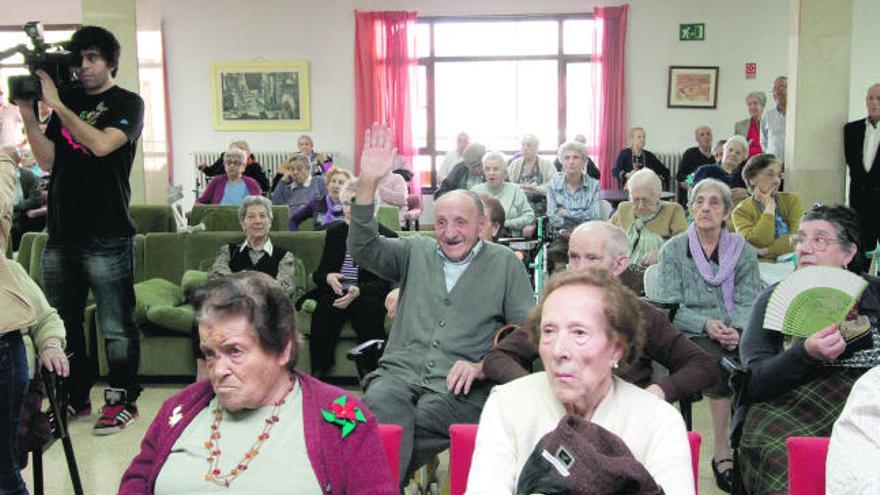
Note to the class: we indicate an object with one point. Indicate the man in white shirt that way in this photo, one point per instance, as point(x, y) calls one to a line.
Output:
point(453, 157)
point(860, 141)
point(773, 120)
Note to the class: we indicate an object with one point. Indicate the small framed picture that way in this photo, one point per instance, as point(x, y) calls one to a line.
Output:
point(261, 96)
point(692, 87)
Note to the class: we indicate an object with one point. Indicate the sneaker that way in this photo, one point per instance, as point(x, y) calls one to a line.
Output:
point(117, 412)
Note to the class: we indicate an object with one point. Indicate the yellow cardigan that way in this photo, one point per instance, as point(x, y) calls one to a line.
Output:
point(759, 228)
point(669, 222)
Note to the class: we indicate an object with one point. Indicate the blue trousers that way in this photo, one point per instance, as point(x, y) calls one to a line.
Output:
point(106, 266)
point(13, 388)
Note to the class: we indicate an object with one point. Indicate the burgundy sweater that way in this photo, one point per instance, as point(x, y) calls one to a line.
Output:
point(690, 368)
point(354, 464)
point(213, 194)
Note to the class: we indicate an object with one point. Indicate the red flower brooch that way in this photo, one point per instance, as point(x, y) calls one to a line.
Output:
point(344, 414)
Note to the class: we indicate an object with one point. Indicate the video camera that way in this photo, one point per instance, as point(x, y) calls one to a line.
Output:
point(52, 58)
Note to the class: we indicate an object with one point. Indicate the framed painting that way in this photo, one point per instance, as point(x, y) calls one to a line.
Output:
point(261, 96)
point(692, 87)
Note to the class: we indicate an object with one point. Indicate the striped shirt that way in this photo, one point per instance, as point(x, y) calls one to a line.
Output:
point(580, 206)
point(349, 271)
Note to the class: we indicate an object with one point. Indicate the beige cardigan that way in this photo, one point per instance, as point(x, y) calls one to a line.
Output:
point(669, 222)
point(16, 312)
point(518, 414)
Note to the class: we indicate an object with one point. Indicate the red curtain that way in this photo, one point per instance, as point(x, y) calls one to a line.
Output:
point(609, 133)
point(383, 59)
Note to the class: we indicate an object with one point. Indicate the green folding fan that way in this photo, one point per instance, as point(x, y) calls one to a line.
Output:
point(812, 298)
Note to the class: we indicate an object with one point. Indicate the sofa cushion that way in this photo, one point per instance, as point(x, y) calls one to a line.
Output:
point(154, 293)
point(191, 281)
point(153, 218)
point(180, 319)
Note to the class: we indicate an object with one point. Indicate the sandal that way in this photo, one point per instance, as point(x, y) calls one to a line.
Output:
point(723, 479)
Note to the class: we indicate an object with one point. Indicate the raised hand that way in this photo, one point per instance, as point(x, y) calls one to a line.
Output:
point(379, 154)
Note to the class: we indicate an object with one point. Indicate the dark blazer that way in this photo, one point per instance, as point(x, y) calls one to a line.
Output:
point(30, 185)
point(623, 165)
point(457, 179)
point(373, 288)
point(853, 146)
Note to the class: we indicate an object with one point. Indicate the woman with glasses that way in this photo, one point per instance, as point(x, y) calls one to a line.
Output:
point(767, 217)
point(796, 386)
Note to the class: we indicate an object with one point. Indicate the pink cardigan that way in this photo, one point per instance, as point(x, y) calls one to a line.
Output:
point(354, 464)
point(217, 186)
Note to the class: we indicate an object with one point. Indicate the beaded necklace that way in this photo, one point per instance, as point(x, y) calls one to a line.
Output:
point(214, 475)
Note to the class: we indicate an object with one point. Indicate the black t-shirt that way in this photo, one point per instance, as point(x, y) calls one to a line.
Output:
point(691, 161)
point(89, 195)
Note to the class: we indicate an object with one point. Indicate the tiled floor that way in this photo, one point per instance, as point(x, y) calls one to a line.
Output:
point(102, 460)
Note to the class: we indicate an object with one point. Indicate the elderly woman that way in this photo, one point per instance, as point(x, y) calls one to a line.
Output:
point(495, 218)
point(517, 211)
point(344, 291)
point(713, 275)
point(636, 157)
point(729, 169)
point(750, 128)
point(586, 325)
point(233, 186)
point(532, 173)
point(319, 162)
point(325, 209)
point(296, 187)
point(252, 168)
point(796, 386)
point(648, 222)
point(767, 216)
point(572, 195)
point(263, 426)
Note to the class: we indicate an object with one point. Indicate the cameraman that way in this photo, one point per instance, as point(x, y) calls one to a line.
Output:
point(89, 147)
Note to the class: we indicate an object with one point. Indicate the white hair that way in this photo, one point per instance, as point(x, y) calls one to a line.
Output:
point(645, 178)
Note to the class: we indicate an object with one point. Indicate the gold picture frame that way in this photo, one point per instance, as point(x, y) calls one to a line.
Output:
point(692, 87)
point(261, 96)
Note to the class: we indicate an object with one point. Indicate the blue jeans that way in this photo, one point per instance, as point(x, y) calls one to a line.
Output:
point(13, 388)
point(106, 266)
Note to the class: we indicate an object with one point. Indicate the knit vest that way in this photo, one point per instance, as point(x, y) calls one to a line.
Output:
point(240, 259)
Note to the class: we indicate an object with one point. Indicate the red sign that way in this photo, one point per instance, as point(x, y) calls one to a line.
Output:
point(751, 70)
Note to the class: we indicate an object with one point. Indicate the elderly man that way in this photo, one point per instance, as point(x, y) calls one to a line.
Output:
point(27, 197)
point(467, 174)
point(693, 158)
point(430, 375)
point(453, 157)
point(773, 120)
point(603, 245)
point(861, 139)
point(231, 188)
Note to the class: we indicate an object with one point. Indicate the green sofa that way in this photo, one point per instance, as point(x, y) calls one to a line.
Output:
point(169, 264)
point(224, 218)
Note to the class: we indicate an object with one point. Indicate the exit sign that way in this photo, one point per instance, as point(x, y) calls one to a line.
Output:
point(692, 32)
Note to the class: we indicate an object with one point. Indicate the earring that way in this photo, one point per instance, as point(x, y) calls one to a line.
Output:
point(614, 365)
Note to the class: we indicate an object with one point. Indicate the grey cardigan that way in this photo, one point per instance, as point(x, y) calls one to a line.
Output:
point(699, 302)
point(435, 328)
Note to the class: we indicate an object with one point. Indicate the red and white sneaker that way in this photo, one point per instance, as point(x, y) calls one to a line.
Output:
point(117, 412)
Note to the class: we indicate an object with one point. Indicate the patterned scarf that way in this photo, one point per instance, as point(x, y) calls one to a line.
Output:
point(730, 247)
point(641, 239)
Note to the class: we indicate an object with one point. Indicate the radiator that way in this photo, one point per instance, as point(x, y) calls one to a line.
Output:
point(270, 160)
point(671, 159)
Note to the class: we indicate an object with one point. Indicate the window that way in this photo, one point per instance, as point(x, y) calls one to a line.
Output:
point(498, 78)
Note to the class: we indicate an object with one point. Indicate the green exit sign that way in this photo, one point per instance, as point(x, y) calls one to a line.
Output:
point(692, 32)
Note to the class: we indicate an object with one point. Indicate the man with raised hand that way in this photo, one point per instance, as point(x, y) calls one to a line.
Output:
point(456, 291)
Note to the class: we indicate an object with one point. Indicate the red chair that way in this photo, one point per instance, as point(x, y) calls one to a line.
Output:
point(696, 441)
point(806, 465)
point(391, 435)
point(461, 450)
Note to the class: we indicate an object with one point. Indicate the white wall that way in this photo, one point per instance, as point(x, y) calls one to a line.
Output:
point(864, 68)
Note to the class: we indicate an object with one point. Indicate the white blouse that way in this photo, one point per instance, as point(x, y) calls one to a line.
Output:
point(853, 465)
point(518, 414)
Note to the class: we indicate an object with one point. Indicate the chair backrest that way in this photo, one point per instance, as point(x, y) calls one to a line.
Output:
point(652, 282)
point(695, 441)
point(806, 465)
point(391, 436)
point(461, 451)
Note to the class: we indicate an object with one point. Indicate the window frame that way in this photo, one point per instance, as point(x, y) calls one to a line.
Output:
point(429, 62)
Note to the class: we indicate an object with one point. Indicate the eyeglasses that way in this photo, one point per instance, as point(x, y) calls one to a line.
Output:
point(816, 243)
